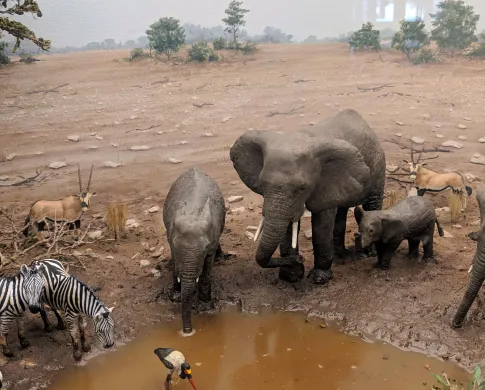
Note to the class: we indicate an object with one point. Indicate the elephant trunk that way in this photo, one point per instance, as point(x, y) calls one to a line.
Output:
point(471, 293)
point(188, 287)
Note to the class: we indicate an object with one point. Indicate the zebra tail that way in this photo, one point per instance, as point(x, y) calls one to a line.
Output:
point(440, 230)
point(468, 190)
point(27, 223)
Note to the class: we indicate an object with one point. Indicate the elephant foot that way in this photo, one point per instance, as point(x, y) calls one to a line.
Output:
point(412, 256)
point(429, 259)
point(341, 254)
point(384, 267)
point(457, 323)
point(205, 306)
point(292, 274)
point(24, 343)
point(320, 276)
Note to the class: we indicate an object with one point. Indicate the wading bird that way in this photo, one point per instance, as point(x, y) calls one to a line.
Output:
point(175, 362)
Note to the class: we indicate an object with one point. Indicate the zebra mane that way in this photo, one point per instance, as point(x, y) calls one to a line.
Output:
point(82, 283)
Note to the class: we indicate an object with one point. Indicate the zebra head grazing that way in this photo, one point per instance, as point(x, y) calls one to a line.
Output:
point(104, 326)
point(33, 286)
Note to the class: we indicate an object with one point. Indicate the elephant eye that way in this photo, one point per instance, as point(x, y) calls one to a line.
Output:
point(371, 230)
point(302, 188)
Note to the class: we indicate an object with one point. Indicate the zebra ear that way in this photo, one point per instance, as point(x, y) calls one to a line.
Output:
point(110, 309)
point(24, 270)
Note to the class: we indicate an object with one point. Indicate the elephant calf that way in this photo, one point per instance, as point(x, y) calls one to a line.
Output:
point(194, 215)
point(412, 218)
point(478, 267)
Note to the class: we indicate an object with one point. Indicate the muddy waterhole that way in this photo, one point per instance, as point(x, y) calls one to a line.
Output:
point(271, 350)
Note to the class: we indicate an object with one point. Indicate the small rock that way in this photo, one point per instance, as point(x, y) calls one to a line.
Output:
point(10, 156)
point(139, 148)
point(471, 178)
point(438, 126)
point(158, 253)
point(4, 178)
point(111, 164)
point(392, 168)
point(144, 263)
point(308, 234)
point(439, 136)
point(183, 142)
point(301, 115)
point(154, 209)
point(57, 165)
point(447, 234)
point(312, 123)
point(476, 223)
point(462, 137)
point(252, 228)
point(27, 364)
point(173, 160)
point(131, 223)
point(467, 119)
point(93, 134)
point(418, 140)
point(481, 140)
point(457, 226)
point(96, 235)
point(93, 147)
point(227, 118)
point(249, 235)
point(99, 138)
point(109, 257)
point(207, 135)
point(132, 117)
point(426, 116)
point(160, 132)
point(238, 210)
point(461, 127)
point(452, 144)
point(97, 216)
point(155, 273)
point(441, 210)
point(478, 159)
point(74, 138)
point(115, 145)
point(399, 123)
point(398, 134)
point(235, 198)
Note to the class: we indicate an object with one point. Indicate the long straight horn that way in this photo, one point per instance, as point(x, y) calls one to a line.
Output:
point(79, 176)
point(412, 155)
point(419, 157)
point(89, 181)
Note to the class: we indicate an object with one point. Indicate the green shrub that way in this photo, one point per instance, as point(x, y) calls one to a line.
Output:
point(214, 57)
point(137, 54)
point(219, 43)
point(201, 52)
point(233, 46)
point(27, 58)
point(479, 51)
point(366, 38)
point(248, 48)
point(423, 56)
point(4, 59)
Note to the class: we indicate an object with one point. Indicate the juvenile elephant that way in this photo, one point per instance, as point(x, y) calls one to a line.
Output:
point(411, 219)
point(194, 216)
point(478, 267)
point(337, 164)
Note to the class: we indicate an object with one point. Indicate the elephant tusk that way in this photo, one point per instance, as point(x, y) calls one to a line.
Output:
point(294, 235)
point(470, 269)
point(258, 230)
point(178, 279)
point(197, 280)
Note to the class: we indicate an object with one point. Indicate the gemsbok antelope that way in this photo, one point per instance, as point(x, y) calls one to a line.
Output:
point(66, 210)
point(427, 180)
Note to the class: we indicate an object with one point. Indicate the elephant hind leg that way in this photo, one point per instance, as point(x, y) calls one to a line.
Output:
point(413, 244)
point(428, 244)
point(339, 229)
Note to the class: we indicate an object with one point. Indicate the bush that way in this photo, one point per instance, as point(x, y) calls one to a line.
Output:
point(166, 36)
point(27, 58)
point(4, 59)
point(219, 43)
point(201, 52)
point(423, 56)
point(248, 48)
point(411, 39)
point(479, 51)
point(137, 54)
point(366, 38)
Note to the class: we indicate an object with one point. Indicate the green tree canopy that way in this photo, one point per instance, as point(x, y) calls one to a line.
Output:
point(366, 38)
point(410, 38)
point(166, 36)
point(454, 25)
point(235, 18)
point(17, 29)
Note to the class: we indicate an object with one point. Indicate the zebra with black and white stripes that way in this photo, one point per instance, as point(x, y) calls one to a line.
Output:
point(17, 293)
point(66, 293)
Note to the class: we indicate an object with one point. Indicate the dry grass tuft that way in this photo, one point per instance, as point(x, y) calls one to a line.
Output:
point(392, 198)
point(117, 216)
point(454, 203)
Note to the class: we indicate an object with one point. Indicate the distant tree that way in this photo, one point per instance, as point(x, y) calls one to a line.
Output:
point(4, 58)
point(481, 37)
point(310, 39)
point(142, 42)
point(454, 25)
point(166, 36)
point(273, 35)
point(93, 46)
point(366, 38)
point(410, 38)
point(17, 29)
point(235, 18)
point(109, 44)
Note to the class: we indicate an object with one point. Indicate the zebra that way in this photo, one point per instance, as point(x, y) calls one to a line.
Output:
point(17, 293)
point(66, 293)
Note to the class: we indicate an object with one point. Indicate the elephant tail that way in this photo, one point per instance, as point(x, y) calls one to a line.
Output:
point(440, 230)
point(468, 190)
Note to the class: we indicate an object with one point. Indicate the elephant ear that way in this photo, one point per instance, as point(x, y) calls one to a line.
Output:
point(358, 214)
point(344, 175)
point(391, 228)
point(247, 156)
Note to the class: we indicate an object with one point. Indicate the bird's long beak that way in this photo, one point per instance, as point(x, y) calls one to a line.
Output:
point(192, 382)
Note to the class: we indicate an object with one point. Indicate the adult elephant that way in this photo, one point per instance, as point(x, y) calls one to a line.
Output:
point(336, 165)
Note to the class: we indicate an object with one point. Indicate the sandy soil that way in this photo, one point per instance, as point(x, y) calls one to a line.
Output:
point(411, 306)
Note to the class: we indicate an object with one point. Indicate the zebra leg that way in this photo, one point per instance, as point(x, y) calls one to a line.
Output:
point(24, 343)
point(4, 324)
point(72, 326)
point(60, 322)
point(47, 326)
point(82, 330)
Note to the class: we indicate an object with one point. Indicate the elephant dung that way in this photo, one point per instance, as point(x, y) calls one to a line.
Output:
point(235, 198)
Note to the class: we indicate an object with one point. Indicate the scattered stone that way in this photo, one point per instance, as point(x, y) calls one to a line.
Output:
point(96, 235)
point(438, 126)
point(478, 159)
point(457, 226)
point(115, 145)
point(139, 148)
point(155, 273)
point(476, 223)
point(160, 132)
point(111, 164)
point(426, 116)
point(93, 134)
point(158, 253)
point(452, 144)
point(308, 234)
point(418, 140)
point(144, 263)
point(154, 209)
point(132, 224)
point(173, 160)
point(235, 198)
point(392, 168)
point(238, 210)
point(481, 140)
point(312, 123)
point(399, 123)
point(99, 138)
point(74, 138)
point(27, 364)
point(447, 234)
point(10, 157)
point(461, 127)
point(441, 210)
point(398, 134)
point(301, 115)
point(249, 235)
point(207, 135)
point(252, 228)
point(467, 119)
point(4, 178)
point(462, 137)
point(412, 192)
point(227, 118)
point(439, 136)
point(57, 165)
point(93, 147)
point(471, 178)
point(109, 257)
point(183, 142)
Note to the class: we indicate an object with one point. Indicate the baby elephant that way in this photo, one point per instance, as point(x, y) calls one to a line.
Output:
point(194, 215)
point(411, 219)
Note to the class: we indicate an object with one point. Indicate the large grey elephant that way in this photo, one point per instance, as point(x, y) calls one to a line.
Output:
point(478, 267)
point(194, 215)
point(337, 164)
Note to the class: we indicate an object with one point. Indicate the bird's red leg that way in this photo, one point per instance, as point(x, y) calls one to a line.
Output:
point(167, 381)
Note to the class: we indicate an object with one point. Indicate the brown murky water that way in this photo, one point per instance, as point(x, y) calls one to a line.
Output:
point(269, 351)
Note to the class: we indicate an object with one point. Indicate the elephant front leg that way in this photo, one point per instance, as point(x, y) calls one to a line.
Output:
point(296, 271)
point(385, 252)
point(339, 229)
point(205, 289)
point(373, 202)
point(322, 240)
point(428, 247)
point(24, 343)
point(175, 294)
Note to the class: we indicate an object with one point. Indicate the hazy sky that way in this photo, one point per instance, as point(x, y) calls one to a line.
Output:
point(77, 22)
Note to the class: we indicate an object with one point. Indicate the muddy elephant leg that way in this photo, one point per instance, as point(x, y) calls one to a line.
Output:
point(176, 286)
point(205, 289)
point(73, 327)
point(295, 272)
point(219, 254)
point(82, 331)
point(428, 246)
point(4, 326)
point(340, 226)
point(413, 244)
point(373, 202)
point(385, 252)
point(322, 240)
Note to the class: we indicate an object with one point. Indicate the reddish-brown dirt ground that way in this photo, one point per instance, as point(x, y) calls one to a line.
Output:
point(410, 306)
